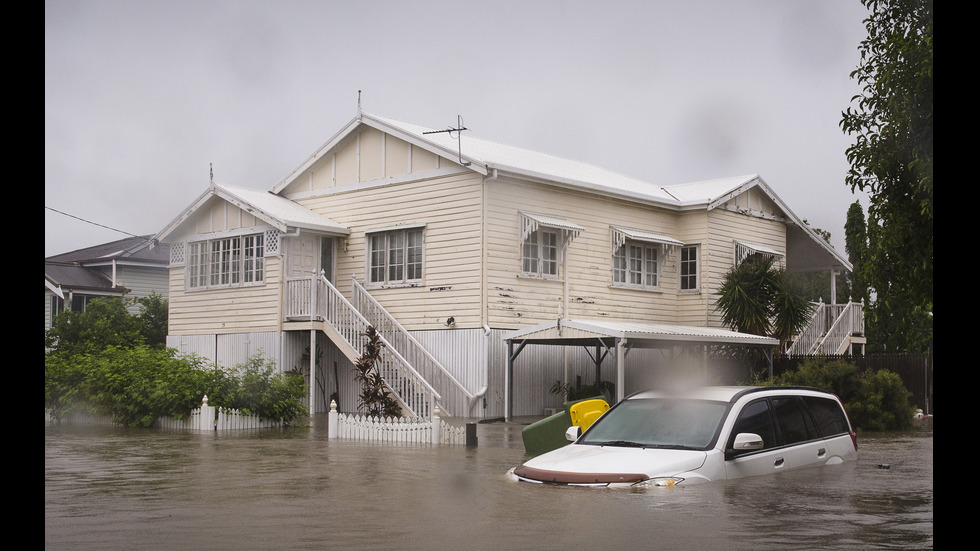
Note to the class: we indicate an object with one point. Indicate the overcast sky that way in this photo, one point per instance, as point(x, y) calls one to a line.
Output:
point(141, 98)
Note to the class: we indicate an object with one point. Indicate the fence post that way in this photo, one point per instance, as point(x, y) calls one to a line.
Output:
point(332, 420)
point(207, 415)
point(436, 425)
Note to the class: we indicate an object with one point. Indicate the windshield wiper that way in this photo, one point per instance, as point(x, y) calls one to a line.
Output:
point(622, 443)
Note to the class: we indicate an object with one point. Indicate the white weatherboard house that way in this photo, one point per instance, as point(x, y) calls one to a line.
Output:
point(462, 252)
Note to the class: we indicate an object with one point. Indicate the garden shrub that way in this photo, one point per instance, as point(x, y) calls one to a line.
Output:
point(874, 400)
point(256, 388)
point(137, 385)
point(133, 385)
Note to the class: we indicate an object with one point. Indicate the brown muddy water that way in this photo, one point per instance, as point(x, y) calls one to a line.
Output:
point(113, 488)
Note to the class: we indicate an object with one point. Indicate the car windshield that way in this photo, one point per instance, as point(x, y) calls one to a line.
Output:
point(658, 423)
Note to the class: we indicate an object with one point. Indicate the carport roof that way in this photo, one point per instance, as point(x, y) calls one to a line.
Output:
point(584, 332)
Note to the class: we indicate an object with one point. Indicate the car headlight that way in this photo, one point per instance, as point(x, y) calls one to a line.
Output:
point(659, 481)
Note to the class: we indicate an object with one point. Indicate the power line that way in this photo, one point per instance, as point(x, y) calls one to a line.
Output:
point(90, 222)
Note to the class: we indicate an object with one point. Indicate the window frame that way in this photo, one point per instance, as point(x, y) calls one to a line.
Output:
point(682, 276)
point(226, 261)
point(624, 262)
point(540, 250)
point(543, 244)
point(401, 265)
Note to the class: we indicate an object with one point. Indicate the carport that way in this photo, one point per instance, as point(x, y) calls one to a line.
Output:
point(602, 338)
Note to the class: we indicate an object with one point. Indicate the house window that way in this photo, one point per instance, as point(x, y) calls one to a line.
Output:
point(395, 256)
point(689, 264)
point(539, 256)
point(637, 264)
point(544, 240)
point(226, 262)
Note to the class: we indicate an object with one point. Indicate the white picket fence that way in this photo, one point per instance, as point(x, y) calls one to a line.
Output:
point(204, 418)
point(393, 430)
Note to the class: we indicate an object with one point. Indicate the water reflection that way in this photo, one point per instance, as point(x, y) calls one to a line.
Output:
point(109, 488)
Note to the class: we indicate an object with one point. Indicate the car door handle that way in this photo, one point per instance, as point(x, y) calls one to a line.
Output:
point(778, 462)
point(821, 452)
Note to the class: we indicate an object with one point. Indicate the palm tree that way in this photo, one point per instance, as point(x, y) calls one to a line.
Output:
point(758, 298)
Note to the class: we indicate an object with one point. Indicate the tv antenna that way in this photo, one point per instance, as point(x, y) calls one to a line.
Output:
point(459, 128)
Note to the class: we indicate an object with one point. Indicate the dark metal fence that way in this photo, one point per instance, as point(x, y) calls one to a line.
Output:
point(914, 369)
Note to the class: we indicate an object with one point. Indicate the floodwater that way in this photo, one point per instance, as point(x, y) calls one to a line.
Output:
point(114, 488)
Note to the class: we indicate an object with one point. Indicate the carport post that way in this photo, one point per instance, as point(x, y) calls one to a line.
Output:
point(508, 381)
point(620, 369)
point(509, 378)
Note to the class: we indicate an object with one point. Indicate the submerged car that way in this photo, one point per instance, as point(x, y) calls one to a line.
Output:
point(711, 433)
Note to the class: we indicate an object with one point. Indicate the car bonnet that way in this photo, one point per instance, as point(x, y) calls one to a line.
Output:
point(588, 464)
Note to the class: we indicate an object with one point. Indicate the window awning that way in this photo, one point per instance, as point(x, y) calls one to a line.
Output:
point(744, 249)
point(531, 222)
point(396, 228)
point(620, 235)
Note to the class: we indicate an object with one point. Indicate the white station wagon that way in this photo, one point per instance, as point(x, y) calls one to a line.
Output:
point(710, 433)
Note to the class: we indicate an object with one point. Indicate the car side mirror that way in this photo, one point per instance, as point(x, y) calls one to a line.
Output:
point(745, 441)
point(572, 433)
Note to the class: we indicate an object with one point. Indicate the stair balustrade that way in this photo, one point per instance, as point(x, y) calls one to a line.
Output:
point(317, 299)
point(829, 330)
point(456, 399)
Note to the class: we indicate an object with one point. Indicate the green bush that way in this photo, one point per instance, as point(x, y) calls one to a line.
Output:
point(256, 388)
point(874, 400)
point(133, 385)
point(139, 384)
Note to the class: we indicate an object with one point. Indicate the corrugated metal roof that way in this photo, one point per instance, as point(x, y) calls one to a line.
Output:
point(706, 191)
point(637, 331)
point(534, 164)
point(279, 208)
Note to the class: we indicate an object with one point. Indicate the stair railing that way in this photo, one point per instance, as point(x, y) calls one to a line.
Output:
point(849, 322)
point(456, 399)
point(328, 304)
point(810, 337)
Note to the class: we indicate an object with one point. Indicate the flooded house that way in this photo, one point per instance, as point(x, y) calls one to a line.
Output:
point(490, 272)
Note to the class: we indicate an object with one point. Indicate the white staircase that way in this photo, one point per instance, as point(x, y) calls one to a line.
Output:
point(411, 373)
point(831, 331)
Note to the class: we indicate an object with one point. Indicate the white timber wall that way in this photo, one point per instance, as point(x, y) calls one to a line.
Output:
point(240, 309)
point(443, 196)
point(516, 301)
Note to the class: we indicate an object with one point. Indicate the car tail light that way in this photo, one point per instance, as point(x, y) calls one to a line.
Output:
point(854, 440)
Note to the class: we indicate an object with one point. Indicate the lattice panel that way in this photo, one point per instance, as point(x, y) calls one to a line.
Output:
point(272, 241)
point(177, 253)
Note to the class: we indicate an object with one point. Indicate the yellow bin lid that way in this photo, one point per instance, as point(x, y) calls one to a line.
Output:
point(585, 413)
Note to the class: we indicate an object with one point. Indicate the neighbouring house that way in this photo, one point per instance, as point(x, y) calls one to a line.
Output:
point(491, 272)
point(132, 267)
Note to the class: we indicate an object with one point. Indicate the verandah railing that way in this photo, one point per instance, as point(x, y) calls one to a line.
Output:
point(315, 298)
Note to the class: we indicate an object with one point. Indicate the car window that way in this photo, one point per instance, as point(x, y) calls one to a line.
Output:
point(755, 418)
point(792, 420)
point(658, 422)
point(829, 416)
